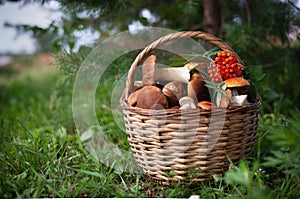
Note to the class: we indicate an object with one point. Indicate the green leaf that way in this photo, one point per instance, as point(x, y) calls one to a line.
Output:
point(212, 51)
point(223, 86)
point(177, 63)
point(211, 83)
point(218, 99)
point(210, 86)
point(177, 58)
point(255, 74)
point(201, 71)
point(241, 175)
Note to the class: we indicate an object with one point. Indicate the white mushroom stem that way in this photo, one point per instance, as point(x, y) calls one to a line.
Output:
point(239, 100)
point(179, 74)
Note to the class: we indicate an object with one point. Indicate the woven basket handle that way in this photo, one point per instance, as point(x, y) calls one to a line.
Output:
point(178, 35)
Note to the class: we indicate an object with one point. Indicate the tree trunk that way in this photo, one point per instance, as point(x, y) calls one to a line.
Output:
point(212, 17)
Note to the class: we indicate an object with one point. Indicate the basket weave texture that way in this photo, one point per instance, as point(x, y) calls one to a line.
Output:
point(187, 145)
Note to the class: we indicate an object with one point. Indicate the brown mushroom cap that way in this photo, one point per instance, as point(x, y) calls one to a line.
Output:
point(206, 105)
point(148, 70)
point(174, 91)
point(236, 82)
point(196, 88)
point(151, 97)
point(132, 99)
point(241, 84)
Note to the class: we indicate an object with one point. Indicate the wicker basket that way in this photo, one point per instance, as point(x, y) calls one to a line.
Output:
point(187, 145)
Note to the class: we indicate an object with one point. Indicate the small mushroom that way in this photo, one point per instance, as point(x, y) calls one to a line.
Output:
point(151, 97)
point(196, 88)
point(187, 102)
point(148, 70)
point(206, 105)
point(237, 85)
point(225, 100)
point(174, 91)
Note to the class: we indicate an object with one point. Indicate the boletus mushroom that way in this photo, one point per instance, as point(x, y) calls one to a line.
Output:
point(151, 97)
point(132, 99)
point(237, 85)
point(174, 91)
point(197, 88)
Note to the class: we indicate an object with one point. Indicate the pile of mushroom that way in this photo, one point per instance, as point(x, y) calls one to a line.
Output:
point(183, 89)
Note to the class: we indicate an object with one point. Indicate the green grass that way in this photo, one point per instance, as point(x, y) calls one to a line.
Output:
point(42, 154)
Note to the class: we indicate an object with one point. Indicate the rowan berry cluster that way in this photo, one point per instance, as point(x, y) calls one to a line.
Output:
point(225, 66)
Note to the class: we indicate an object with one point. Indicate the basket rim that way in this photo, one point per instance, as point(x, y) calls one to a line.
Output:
point(174, 112)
